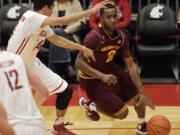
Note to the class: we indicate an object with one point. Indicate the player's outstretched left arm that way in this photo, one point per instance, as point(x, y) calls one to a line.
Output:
point(55, 21)
point(63, 42)
point(135, 77)
point(5, 127)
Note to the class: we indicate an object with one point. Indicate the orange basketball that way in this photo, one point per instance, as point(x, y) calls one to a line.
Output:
point(158, 125)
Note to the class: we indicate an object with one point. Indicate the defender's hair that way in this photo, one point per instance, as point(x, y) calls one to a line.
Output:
point(39, 4)
point(107, 6)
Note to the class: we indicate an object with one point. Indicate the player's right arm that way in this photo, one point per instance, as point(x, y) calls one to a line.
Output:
point(54, 21)
point(65, 43)
point(5, 127)
point(41, 92)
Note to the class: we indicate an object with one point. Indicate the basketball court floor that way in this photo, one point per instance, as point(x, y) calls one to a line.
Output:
point(166, 98)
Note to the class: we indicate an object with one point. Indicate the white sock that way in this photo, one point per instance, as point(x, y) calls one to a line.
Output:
point(59, 120)
point(141, 120)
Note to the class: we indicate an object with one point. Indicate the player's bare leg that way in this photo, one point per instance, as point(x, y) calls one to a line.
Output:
point(62, 102)
point(141, 127)
point(60, 116)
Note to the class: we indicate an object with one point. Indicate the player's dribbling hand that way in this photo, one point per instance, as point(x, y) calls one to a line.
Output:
point(99, 6)
point(145, 100)
point(88, 54)
point(110, 79)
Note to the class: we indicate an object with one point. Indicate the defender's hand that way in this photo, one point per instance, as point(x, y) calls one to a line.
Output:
point(99, 6)
point(88, 54)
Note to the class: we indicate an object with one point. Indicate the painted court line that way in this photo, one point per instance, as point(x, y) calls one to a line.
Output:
point(108, 129)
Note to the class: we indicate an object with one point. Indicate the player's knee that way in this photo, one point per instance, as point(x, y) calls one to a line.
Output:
point(64, 98)
point(122, 115)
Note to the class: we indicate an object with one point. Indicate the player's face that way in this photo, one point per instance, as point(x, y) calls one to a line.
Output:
point(109, 19)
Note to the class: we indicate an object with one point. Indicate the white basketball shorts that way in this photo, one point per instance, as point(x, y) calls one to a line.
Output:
point(51, 80)
point(22, 129)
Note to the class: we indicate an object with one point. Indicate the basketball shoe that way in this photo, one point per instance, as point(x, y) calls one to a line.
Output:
point(141, 129)
point(89, 109)
point(60, 130)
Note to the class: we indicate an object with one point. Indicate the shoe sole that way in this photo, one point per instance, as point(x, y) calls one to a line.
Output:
point(141, 133)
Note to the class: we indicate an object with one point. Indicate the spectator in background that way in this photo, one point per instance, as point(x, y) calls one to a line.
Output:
point(62, 56)
point(124, 13)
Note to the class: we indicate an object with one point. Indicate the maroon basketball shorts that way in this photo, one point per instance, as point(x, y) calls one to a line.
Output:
point(111, 99)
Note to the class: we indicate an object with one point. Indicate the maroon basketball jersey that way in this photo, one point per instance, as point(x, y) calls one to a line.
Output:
point(106, 48)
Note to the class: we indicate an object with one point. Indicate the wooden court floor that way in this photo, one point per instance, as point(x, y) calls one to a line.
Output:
point(168, 106)
point(109, 126)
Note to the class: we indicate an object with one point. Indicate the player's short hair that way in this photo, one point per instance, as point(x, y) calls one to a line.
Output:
point(39, 4)
point(107, 6)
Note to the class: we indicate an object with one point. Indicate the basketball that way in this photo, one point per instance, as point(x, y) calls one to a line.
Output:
point(158, 125)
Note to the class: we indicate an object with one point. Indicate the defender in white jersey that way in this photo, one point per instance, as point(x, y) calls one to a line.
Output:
point(17, 98)
point(28, 37)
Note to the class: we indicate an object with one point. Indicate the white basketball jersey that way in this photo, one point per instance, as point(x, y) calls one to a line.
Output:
point(16, 94)
point(28, 36)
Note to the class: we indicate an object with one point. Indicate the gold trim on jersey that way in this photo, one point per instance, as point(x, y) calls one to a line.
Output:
point(121, 111)
point(85, 76)
point(130, 101)
point(110, 36)
point(110, 47)
point(102, 36)
point(133, 99)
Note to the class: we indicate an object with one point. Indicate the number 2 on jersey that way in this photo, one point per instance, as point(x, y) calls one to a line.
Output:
point(13, 83)
point(110, 55)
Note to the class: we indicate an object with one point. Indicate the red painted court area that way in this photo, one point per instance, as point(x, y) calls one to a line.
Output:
point(161, 94)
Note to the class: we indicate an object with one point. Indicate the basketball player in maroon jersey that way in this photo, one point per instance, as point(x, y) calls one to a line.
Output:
point(106, 84)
